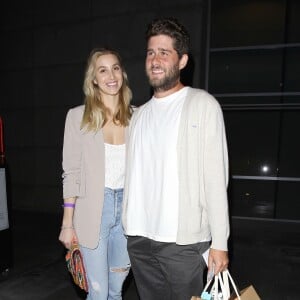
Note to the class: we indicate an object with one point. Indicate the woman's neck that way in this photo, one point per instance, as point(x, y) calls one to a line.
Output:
point(111, 102)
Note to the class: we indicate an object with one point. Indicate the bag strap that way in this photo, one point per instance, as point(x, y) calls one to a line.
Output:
point(227, 275)
point(216, 287)
point(213, 282)
point(224, 288)
point(223, 279)
point(214, 291)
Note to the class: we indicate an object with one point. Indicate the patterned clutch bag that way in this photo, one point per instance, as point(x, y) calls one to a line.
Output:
point(76, 267)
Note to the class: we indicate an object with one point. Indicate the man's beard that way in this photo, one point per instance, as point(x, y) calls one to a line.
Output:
point(166, 83)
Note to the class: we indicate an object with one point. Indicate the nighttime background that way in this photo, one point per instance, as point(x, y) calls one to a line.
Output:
point(246, 53)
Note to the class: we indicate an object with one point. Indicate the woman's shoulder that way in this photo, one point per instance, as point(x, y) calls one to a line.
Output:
point(76, 112)
point(77, 109)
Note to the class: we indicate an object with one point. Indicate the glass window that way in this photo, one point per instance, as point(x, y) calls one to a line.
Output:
point(252, 198)
point(262, 127)
point(245, 71)
point(292, 70)
point(289, 160)
point(247, 22)
point(293, 24)
point(288, 204)
point(252, 142)
point(237, 103)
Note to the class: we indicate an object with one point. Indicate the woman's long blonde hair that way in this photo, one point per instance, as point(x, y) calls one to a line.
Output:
point(96, 113)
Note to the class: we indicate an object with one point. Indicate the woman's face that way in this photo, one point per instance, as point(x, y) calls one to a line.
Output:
point(108, 75)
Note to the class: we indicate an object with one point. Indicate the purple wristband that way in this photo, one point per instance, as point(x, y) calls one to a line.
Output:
point(69, 205)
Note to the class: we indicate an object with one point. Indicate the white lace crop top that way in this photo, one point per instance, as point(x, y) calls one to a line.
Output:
point(114, 166)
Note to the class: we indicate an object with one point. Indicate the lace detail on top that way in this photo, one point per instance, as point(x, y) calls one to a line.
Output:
point(114, 166)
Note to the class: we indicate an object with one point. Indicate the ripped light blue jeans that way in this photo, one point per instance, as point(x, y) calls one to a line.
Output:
point(108, 265)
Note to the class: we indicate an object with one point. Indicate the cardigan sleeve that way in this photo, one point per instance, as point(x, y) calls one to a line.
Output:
point(216, 176)
point(72, 154)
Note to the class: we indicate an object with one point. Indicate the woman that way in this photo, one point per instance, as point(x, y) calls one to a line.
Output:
point(93, 178)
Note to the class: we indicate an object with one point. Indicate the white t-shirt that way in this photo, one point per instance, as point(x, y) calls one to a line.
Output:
point(114, 166)
point(153, 188)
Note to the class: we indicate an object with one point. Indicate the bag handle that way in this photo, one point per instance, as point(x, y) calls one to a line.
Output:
point(224, 287)
point(225, 283)
point(223, 278)
point(214, 291)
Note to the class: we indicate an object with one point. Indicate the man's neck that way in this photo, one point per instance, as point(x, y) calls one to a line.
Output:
point(160, 94)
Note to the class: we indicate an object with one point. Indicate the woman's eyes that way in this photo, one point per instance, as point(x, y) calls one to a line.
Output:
point(104, 70)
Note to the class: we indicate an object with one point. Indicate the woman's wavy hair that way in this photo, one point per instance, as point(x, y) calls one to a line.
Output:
point(96, 113)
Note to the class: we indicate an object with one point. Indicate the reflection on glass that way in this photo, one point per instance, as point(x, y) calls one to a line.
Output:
point(265, 169)
point(252, 198)
point(252, 141)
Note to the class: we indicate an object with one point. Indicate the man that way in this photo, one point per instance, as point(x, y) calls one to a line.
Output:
point(175, 203)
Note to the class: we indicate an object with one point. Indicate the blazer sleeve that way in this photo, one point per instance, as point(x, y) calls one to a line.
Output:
point(72, 154)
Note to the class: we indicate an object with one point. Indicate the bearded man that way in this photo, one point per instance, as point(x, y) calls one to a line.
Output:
point(175, 199)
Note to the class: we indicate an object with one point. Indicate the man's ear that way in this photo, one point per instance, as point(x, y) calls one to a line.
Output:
point(183, 61)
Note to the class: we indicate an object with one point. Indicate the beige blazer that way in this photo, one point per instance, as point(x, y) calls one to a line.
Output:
point(83, 176)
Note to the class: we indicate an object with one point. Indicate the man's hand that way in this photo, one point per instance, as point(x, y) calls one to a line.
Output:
point(217, 261)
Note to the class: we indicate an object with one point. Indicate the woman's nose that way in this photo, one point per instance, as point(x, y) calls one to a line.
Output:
point(112, 74)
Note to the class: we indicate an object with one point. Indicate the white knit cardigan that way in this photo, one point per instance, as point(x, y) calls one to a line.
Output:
point(202, 171)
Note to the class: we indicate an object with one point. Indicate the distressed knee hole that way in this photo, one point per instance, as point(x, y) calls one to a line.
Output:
point(95, 286)
point(120, 270)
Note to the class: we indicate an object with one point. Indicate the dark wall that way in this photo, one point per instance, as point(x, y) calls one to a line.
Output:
point(44, 47)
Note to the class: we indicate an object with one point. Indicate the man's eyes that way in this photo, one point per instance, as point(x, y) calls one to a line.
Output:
point(160, 53)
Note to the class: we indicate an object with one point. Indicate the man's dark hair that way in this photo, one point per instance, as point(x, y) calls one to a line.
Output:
point(172, 28)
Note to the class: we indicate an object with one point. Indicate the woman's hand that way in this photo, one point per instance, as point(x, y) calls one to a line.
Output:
point(67, 235)
point(67, 232)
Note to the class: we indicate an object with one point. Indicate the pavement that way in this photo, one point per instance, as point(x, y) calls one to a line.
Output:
point(263, 253)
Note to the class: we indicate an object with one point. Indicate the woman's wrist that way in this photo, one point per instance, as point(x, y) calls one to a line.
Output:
point(69, 205)
point(63, 227)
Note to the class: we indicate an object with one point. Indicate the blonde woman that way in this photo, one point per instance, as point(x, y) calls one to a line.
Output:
point(93, 178)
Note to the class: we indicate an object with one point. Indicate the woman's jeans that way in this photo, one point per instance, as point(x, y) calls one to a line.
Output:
point(108, 265)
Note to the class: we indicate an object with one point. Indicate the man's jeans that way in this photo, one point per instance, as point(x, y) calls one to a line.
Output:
point(108, 265)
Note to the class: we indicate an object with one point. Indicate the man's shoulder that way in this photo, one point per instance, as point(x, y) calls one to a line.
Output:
point(141, 108)
point(201, 97)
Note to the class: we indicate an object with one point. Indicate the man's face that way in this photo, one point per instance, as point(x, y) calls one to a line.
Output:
point(162, 63)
